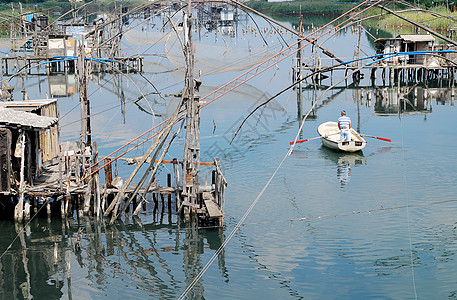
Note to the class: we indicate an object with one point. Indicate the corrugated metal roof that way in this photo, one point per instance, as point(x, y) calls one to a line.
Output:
point(27, 105)
point(417, 37)
point(410, 38)
point(10, 116)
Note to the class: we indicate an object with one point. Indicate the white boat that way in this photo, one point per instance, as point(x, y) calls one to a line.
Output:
point(330, 137)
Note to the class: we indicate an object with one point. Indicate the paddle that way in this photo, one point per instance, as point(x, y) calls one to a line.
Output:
point(377, 137)
point(305, 140)
point(314, 138)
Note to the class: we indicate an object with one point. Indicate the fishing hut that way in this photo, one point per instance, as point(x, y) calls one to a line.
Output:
point(218, 14)
point(406, 58)
point(56, 44)
point(38, 171)
point(29, 141)
point(407, 43)
point(47, 173)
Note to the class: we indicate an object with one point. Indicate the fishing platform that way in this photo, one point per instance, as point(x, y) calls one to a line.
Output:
point(39, 171)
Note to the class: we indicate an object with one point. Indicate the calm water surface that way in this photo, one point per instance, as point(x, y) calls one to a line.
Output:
point(378, 224)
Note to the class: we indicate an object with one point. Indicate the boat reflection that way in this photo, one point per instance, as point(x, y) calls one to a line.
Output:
point(345, 162)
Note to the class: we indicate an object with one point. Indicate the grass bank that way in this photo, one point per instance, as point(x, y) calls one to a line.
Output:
point(431, 20)
point(307, 7)
point(54, 8)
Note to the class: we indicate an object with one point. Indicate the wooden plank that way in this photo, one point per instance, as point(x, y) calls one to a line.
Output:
point(213, 209)
point(207, 196)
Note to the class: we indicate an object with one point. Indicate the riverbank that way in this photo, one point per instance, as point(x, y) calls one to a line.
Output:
point(305, 7)
point(57, 7)
point(435, 18)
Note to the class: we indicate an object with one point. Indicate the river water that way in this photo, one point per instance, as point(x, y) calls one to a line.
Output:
point(376, 224)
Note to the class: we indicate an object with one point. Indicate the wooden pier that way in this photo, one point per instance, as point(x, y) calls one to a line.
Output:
point(32, 65)
point(65, 178)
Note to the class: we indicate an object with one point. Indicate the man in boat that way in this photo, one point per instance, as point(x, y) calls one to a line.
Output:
point(344, 125)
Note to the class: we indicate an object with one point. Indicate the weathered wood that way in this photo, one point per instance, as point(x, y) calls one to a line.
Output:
point(108, 172)
point(169, 195)
point(143, 179)
point(87, 196)
point(19, 209)
point(178, 184)
point(62, 208)
point(117, 200)
point(213, 209)
point(97, 200)
point(156, 167)
point(191, 160)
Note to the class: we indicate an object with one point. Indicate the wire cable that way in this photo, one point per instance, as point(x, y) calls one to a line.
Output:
point(408, 217)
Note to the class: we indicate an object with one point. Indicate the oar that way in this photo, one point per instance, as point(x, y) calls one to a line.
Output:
point(305, 140)
point(317, 137)
point(377, 137)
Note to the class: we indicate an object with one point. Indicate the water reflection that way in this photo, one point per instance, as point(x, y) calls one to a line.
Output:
point(30, 268)
point(411, 99)
point(62, 84)
point(345, 162)
point(40, 261)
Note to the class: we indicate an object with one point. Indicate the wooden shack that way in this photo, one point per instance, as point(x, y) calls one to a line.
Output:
point(57, 45)
point(406, 43)
point(35, 21)
point(29, 139)
point(48, 138)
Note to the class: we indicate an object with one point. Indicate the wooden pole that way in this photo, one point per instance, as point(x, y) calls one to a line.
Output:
point(154, 171)
point(191, 161)
point(19, 209)
point(178, 183)
point(96, 184)
point(119, 197)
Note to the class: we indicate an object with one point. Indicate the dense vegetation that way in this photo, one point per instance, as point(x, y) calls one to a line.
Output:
point(321, 8)
point(306, 7)
point(334, 7)
point(60, 6)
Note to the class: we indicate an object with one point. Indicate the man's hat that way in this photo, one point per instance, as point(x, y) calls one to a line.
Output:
point(343, 112)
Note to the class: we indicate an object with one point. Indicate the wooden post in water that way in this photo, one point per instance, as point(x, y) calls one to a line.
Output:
point(84, 100)
point(178, 183)
point(86, 135)
point(19, 209)
point(97, 197)
point(169, 195)
point(108, 172)
point(191, 161)
point(298, 71)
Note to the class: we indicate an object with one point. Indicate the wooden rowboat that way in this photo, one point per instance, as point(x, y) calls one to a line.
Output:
point(330, 137)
